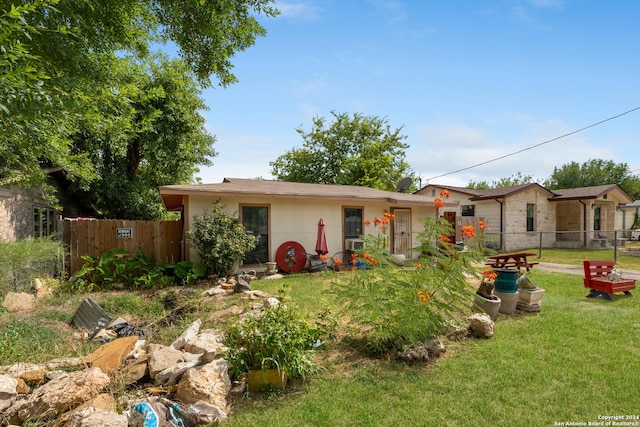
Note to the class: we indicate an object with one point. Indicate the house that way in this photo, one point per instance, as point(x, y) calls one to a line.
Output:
point(25, 213)
point(28, 213)
point(529, 215)
point(630, 215)
point(280, 212)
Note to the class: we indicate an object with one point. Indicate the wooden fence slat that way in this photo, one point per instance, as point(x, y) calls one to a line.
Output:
point(158, 240)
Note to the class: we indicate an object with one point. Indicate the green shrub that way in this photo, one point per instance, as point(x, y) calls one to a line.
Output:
point(277, 338)
point(114, 269)
point(390, 305)
point(221, 240)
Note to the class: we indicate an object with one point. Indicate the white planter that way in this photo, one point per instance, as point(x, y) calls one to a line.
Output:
point(272, 267)
point(530, 296)
point(484, 305)
point(509, 302)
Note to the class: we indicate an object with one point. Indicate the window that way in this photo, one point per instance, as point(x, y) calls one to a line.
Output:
point(596, 218)
point(530, 216)
point(44, 223)
point(468, 210)
point(256, 221)
point(352, 223)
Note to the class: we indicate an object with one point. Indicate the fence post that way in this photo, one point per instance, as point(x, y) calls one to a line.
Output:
point(540, 246)
point(615, 246)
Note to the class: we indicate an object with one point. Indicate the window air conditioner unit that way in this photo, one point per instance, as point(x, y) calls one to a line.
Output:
point(353, 244)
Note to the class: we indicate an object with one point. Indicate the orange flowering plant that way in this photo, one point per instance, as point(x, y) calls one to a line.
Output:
point(394, 304)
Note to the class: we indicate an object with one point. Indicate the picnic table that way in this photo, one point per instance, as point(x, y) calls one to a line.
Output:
point(518, 260)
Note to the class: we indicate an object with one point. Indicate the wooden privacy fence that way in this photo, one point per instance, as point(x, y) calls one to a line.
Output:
point(158, 240)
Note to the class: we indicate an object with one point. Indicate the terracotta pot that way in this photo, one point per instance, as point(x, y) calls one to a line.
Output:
point(485, 305)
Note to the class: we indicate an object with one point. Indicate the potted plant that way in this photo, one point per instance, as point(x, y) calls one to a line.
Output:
point(274, 344)
point(484, 298)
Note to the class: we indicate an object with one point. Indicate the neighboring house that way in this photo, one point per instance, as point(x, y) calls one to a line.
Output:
point(514, 216)
point(630, 214)
point(529, 215)
point(589, 216)
point(281, 211)
point(24, 213)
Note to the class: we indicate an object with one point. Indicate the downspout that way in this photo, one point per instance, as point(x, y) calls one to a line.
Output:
point(584, 220)
point(501, 224)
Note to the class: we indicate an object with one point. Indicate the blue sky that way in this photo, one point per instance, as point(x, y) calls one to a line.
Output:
point(467, 80)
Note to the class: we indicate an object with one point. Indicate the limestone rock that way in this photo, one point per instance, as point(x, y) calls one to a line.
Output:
point(43, 290)
point(103, 402)
point(63, 393)
point(190, 332)
point(226, 313)
point(65, 362)
point(8, 389)
point(135, 369)
point(161, 358)
point(173, 373)
point(209, 383)
point(270, 302)
point(218, 291)
point(18, 301)
point(258, 295)
point(481, 325)
point(34, 377)
point(209, 345)
point(94, 417)
point(23, 387)
point(110, 356)
point(424, 352)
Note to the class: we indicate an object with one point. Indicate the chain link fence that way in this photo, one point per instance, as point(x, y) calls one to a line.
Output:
point(621, 241)
point(23, 261)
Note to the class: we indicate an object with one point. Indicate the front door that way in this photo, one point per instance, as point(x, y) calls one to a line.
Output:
point(401, 231)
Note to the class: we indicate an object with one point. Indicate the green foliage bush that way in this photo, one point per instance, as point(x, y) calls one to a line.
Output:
point(115, 270)
point(392, 305)
point(221, 240)
point(281, 337)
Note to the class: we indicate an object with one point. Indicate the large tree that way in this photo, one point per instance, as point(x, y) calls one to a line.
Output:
point(147, 132)
point(515, 179)
point(57, 58)
point(594, 172)
point(353, 150)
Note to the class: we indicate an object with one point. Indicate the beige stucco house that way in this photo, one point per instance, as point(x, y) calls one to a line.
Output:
point(282, 212)
point(529, 215)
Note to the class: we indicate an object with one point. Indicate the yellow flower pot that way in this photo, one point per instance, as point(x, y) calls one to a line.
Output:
point(263, 379)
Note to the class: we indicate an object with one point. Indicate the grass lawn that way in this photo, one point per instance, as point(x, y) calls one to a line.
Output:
point(576, 360)
point(576, 256)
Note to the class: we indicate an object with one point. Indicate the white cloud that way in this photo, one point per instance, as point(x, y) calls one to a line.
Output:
point(463, 153)
point(307, 11)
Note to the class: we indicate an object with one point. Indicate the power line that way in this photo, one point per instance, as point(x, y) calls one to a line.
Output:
point(536, 145)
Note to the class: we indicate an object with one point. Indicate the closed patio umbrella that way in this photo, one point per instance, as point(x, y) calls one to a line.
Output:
point(321, 242)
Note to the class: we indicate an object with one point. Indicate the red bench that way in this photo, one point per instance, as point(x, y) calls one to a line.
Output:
point(596, 278)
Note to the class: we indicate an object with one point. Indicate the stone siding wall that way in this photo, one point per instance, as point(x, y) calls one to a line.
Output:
point(16, 215)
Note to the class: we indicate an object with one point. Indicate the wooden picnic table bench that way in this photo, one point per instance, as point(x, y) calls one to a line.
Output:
point(596, 278)
point(518, 260)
